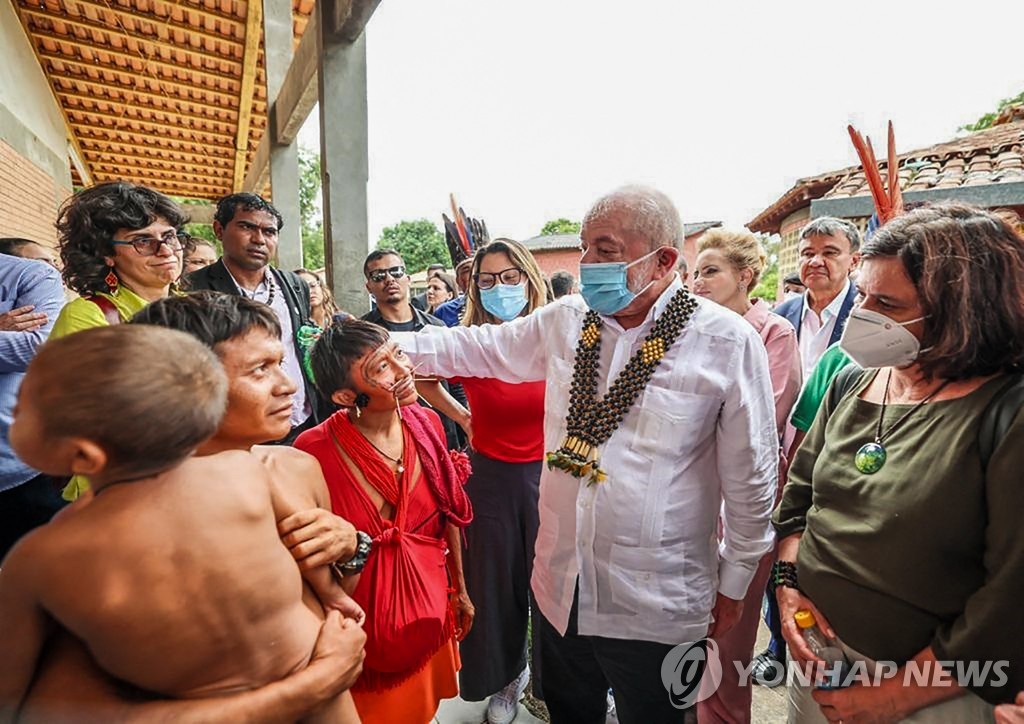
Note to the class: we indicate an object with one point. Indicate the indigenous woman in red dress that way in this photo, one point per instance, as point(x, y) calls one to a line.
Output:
point(390, 473)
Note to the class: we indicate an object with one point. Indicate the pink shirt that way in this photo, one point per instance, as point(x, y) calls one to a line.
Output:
point(779, 339)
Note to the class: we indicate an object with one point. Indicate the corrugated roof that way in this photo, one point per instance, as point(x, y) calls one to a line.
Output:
point(992, 156)
point(156, 91)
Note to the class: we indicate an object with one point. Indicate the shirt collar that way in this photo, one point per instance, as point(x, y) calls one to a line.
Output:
point(832, 310)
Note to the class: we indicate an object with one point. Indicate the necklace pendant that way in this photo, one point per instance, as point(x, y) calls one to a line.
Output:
point(870, 458)
point(401, 468)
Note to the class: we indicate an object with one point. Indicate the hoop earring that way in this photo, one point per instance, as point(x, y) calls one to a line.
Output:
point(111, 281)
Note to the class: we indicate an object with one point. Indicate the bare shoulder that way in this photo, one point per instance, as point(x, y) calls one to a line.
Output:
point(294, 473)
point(288, 460)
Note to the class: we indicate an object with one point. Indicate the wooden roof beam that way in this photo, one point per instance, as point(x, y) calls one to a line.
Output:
point(168, 12)
point(345, 20)
point(149, 95)
point(157, 174)
point(211, 93)
point(80, 21)
point(79, 111)
point(143, 138)
point(253, 36)
point(129, 57)
point(137, 153)
point(131, 104)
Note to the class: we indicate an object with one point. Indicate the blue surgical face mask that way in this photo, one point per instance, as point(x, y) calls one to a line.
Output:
point(605, 287)
point(504, 301)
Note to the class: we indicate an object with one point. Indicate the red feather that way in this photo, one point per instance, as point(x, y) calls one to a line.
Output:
point(893, 172)
point(888, 201)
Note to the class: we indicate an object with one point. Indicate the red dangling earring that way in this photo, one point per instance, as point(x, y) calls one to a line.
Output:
point(111, 280)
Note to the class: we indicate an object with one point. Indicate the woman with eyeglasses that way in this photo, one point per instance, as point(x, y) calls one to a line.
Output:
point(121, 245)
point(322, 306)
point(507, 448)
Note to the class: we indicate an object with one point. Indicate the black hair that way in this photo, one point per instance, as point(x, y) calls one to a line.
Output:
point(88, 221)
point(379, 254)
point(12, 244)
point(339, 346)
point(228, 206)
point(562, 283)
point(210, 317)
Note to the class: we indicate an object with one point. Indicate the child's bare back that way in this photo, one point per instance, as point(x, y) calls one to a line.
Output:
point(177, 584)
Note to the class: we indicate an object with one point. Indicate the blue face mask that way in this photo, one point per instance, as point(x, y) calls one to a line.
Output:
point(605, 288)
point(504, 301)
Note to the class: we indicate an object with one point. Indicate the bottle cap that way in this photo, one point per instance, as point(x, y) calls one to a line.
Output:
point(804, 618)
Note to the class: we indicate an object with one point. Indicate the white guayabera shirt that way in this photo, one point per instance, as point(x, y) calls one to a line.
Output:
point(700, 439)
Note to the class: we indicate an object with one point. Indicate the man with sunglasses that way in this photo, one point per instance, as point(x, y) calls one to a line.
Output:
point(388, 284)
point(248, 227)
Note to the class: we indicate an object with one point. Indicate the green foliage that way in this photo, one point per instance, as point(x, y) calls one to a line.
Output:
point(988, 119)
point(768, 286)
point(204, 231)
point(560, 226)
point(309, 194)
point(419, 242)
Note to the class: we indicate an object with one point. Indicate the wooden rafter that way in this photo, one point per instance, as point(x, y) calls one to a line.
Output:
point(253, 35)
point(211, 76)
point(118, 31)
point(198, 134)
point(133, 103)
point(221, 156)
point(139, 153)
point(96, 86)
point(110, 134)
point(203, 12)
point(157, 117)
point(154, 174)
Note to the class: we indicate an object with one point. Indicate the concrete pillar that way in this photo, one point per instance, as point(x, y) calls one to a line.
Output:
point(284, 160)
point(344, 165)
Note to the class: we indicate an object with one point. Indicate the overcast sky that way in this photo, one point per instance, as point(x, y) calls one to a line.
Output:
point(529, 110)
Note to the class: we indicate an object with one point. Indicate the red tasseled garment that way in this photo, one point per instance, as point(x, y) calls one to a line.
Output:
point(404, 588)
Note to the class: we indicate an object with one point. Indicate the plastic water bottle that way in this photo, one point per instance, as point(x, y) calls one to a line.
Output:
point(836, 665)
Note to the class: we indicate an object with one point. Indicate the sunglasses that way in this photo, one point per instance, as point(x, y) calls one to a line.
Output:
point(150, 246)
point(379, 275)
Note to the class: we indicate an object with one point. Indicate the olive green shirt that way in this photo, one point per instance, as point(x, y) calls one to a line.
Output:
point(929, 550)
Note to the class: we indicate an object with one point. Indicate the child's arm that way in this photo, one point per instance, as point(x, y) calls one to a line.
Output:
point(23, 628)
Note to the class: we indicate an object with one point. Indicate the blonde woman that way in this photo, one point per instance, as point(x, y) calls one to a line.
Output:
point(322, 307)
point(507, 446)
point(729, 265)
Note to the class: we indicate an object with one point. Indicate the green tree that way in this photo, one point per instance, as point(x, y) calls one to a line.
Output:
point(312, 230)
point(419, 242)
point(988, 119)
point(768, 286)
point(560, 226)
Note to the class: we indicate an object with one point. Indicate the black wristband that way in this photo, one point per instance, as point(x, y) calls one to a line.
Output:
point(784, 574)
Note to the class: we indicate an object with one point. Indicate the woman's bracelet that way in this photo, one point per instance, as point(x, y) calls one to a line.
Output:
point(784, 574)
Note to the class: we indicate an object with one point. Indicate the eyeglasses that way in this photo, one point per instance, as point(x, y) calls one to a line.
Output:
point(150, 246)
point(511, 276)
point(379, 275)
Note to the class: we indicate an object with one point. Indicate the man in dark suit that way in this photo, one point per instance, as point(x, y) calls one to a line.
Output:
point(828, 251)
point(248, 228)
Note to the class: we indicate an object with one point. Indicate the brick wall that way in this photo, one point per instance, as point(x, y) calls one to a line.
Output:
point(28, 203)
point(551, 261)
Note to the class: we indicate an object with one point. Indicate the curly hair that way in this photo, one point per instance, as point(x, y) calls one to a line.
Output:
point(88, 221)
point(968, 268)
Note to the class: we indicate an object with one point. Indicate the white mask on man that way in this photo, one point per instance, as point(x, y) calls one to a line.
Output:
point(874, 340)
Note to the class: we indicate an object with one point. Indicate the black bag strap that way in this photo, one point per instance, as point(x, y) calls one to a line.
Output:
point(999, 415)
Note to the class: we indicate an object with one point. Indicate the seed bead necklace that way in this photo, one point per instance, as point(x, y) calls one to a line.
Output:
point(871, 456)
point(590, 421)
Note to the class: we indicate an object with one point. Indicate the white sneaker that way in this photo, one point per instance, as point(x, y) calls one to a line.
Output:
point(503, 706)
point(612, 716)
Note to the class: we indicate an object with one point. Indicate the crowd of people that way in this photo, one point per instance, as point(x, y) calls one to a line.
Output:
point(222, 498)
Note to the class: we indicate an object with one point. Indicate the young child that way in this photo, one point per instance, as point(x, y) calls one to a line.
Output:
point(173, 575)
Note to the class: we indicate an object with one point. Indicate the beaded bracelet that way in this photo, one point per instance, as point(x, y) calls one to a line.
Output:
point(784, 574)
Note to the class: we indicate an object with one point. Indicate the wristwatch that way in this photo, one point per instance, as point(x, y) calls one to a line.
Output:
point(355, 564)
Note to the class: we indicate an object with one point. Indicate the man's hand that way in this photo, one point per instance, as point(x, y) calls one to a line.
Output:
point(22, 319)
point(858, 704)
point(465, 612)
point(726, 613)
point(1011, 713)
point(337, 657)
point(316, 537)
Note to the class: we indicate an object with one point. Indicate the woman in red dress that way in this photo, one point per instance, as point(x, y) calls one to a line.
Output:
point(389, 473)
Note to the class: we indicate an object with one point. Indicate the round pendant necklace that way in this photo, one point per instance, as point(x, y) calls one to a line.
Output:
point(871, 456)
point(396, 461)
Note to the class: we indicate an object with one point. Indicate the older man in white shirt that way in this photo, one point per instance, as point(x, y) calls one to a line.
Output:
point(630, 566)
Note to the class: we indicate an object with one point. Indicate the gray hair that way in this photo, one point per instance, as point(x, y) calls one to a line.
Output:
point(650, 214)
point(831, 226)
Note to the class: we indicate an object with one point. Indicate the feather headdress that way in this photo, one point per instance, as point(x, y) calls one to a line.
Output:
point(886, 195)
point(463, 235)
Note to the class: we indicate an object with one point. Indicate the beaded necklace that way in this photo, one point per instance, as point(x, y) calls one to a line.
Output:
point(591, 421)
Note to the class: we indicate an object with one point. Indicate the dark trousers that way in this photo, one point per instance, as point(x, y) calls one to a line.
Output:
point(579, 670)
point(28, 506)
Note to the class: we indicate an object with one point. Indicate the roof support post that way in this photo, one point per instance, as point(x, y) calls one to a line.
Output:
point(343, 157)
point(284, 159)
